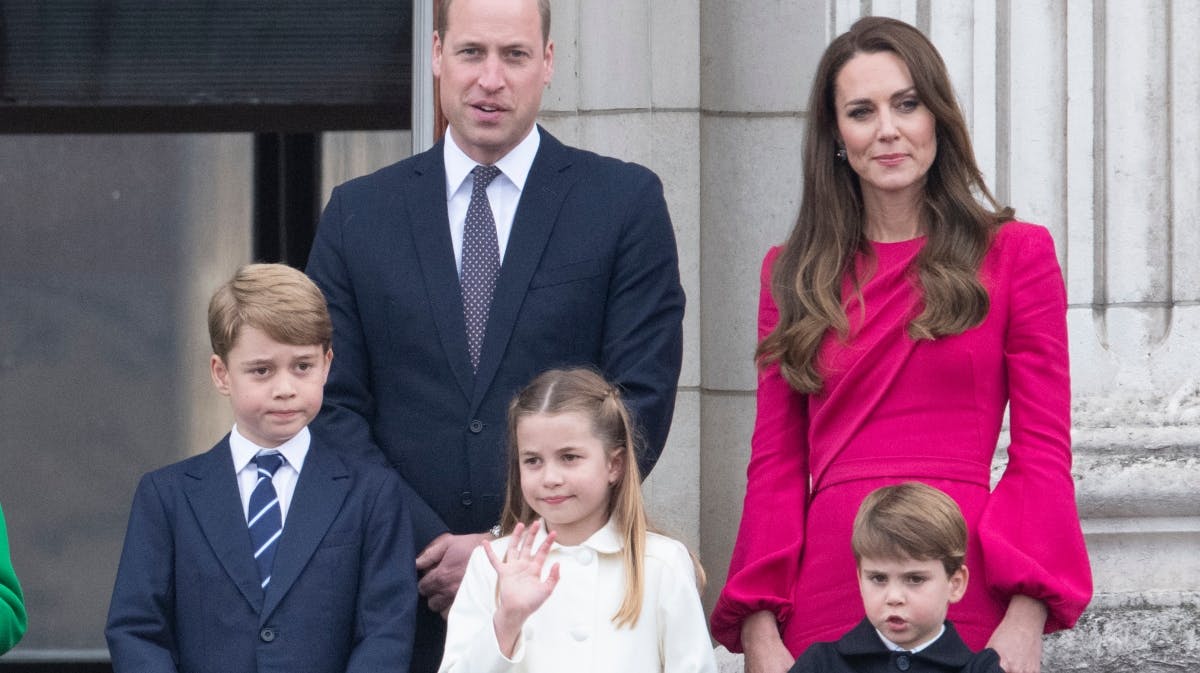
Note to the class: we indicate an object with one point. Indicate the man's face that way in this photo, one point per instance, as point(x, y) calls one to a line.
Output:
point(493, 67)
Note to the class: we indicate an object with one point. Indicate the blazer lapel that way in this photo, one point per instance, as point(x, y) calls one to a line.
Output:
point(212, 493)
point(425, 198)
point(545, 190)
point(320, 491)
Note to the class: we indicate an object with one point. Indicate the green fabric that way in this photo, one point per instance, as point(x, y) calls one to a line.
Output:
point(12, 604)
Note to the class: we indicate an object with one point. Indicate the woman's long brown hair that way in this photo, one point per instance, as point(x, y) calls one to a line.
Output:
point(806, 282)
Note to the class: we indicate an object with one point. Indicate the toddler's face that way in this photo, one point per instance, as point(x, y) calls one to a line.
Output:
point(276, 389)
point(566, 474)
point(907, 599)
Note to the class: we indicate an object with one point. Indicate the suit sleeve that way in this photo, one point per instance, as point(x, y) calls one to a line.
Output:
point(12, 604)
point(1030, 530)
point(387, 598)
point(770, 539)
point(349, 405)
point(643, 325)
point(140, 633)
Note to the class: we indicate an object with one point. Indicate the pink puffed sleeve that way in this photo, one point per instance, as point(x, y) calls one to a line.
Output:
point(766, 556)
point(1030, 529)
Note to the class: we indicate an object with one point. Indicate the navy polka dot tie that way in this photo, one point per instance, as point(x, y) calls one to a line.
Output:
point(480, 261)
point(264, 516)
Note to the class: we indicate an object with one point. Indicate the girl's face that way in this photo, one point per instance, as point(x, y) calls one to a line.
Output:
point(566, 473)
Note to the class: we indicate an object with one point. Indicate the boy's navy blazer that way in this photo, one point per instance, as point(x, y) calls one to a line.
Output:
point(861, 651)
point(589, 277)
point(342, 594)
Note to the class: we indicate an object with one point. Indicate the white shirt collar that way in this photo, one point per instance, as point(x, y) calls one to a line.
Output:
point(896, 648)
point(294, 450)
point(515, 165)
point(607, 540)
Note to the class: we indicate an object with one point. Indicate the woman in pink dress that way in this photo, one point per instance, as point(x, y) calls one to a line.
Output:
point(902, 315)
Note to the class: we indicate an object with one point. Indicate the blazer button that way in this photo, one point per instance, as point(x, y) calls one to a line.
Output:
point(476, 426)
point(902, 662)
point(267, 634)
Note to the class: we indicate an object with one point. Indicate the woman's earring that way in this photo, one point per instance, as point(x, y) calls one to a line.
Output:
point(841, 154)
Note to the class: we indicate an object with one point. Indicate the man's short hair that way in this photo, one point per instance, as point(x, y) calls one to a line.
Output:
point(910, 520)
point(443, 18)
point(275, 298)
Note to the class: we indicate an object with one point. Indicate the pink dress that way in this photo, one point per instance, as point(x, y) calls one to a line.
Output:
point(894, 410)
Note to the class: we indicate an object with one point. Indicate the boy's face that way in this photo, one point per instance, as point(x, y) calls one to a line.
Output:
point(907, 599)
point(275, 389)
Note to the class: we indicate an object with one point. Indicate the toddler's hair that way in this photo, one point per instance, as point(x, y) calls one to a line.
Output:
point(910, 520)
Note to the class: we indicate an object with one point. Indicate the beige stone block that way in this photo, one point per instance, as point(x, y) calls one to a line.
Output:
point(564, 127)
point(675, 53)
point(759, 56)
point(750, 193)
point(672, 491)
point(675, 157)
point(726, 423)
point(614, 55)
point(563, 93)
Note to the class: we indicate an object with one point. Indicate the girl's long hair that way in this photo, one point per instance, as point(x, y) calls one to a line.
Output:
point(585, 392)
point(806, 282)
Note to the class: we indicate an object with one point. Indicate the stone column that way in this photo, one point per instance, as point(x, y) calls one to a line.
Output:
point(626, 84)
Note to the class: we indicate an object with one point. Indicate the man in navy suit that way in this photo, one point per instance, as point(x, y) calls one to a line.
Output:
point(272, 551)
point(588, 275)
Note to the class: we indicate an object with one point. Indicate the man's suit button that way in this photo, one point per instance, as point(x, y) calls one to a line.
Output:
point(466, 499)
point(476, 426)
point(267, 634)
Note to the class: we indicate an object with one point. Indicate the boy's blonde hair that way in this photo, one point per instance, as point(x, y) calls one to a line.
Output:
point(910, 520)
point(274, 298)
point(585, 392)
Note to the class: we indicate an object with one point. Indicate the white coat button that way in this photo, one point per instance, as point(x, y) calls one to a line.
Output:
point(579, 633)
point(586, 556)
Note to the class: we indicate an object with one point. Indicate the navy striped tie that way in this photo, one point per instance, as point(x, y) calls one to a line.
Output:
point(265, 516)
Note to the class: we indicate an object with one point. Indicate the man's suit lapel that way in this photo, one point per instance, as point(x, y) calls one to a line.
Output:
point(426, 211)
point(320, 492)
point(212, 492)
point(545, 189)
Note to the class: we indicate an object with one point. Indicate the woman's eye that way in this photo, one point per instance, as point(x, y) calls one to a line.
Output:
point(909, 104)
point(859, 113)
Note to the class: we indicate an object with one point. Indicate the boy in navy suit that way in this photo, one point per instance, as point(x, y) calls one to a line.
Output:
point(910, 542)
point(272, 551)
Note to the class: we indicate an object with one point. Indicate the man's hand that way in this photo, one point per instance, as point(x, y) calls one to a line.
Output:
point(443, 563)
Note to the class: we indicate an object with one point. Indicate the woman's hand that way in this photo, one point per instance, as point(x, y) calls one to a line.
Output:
point(1018, 638)
point(764, 648)
point(519, 586)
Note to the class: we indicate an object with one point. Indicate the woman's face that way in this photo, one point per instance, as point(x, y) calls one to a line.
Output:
point(888, 132)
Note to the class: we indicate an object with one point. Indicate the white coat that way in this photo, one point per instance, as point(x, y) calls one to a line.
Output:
point(573, 630)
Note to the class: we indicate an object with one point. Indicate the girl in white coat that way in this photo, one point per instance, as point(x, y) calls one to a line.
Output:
point(586, 587)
